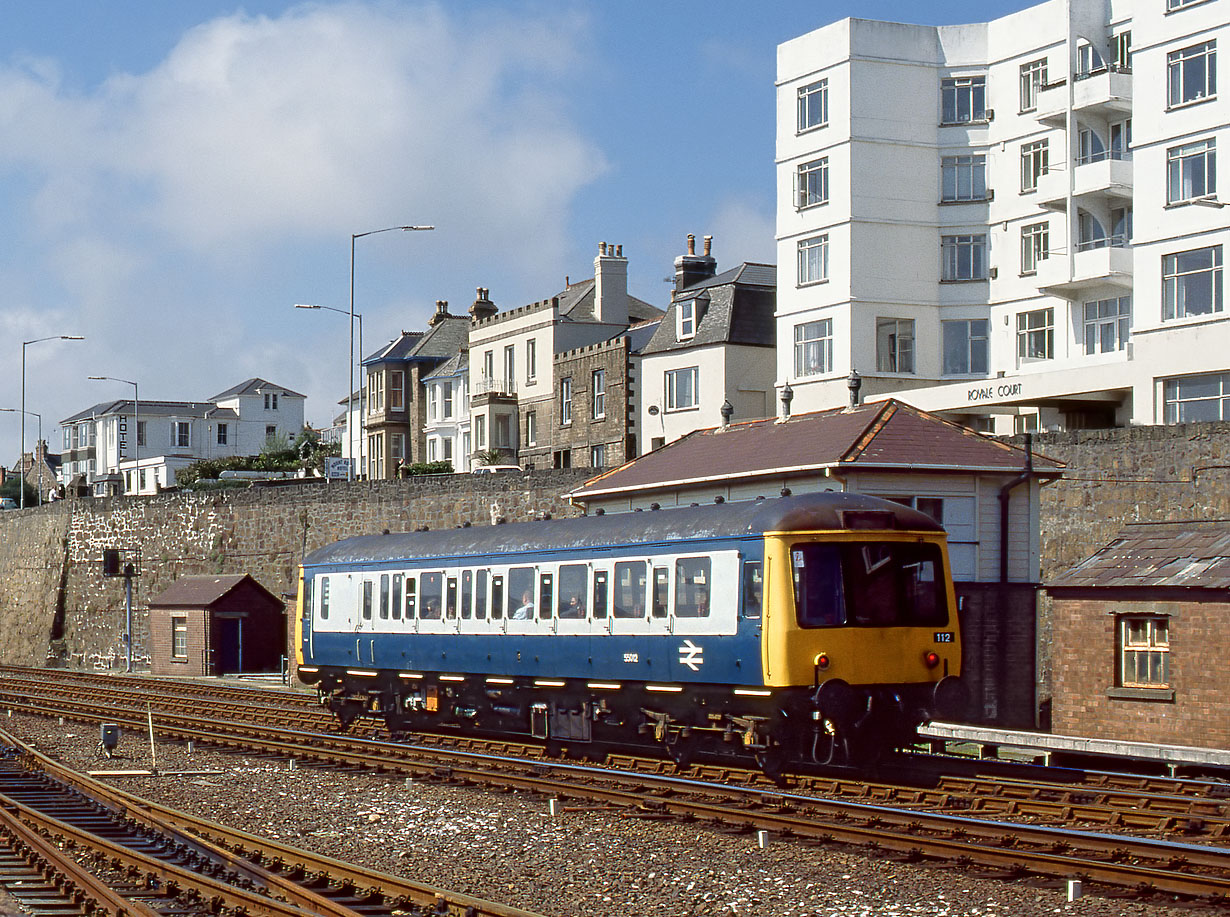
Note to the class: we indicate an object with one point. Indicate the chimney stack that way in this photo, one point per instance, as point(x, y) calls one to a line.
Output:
point(483, 307)
point(854, 382)
point(693, 268)
point(441, 313)
point(611, 285)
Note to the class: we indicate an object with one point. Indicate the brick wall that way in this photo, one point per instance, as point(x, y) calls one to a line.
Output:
point(611, 430)
point(1084, 701)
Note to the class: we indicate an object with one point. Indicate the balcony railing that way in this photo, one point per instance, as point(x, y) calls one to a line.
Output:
point(487, 386)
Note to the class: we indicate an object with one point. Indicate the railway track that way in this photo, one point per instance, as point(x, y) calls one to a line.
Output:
point(938, 826)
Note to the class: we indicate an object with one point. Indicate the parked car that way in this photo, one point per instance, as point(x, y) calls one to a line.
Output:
point(495, 469)
point(8, 503)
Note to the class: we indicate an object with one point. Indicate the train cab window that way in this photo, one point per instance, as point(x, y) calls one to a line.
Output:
point(885, 584)
point(308, 595)
point(692, 581)
point(411, 580)
point(450, 605)
point(384, 596)
point(521, 593)
point(631, 578)
point(661, 591)
point(480, 595)
point(573, 587)
point(497, 597)
point(753, 588)
point(431, 595)
point(467, 594)
point(600, 593)
point(395, 606)
point(545, 585)
point(367, 600)
point(324, 598)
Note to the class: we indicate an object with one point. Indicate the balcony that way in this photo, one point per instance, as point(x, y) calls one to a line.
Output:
point(1052, 107)
point(1104, 175)
point(1098, 263)
point(1106, 91)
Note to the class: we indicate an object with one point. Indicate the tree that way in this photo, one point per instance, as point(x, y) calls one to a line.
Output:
point(12, 487)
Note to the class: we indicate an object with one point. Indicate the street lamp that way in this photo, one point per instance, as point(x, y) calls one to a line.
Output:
point(350, 390)
point(55, 337)
point(349, 426)
point(136, 422)
point(40, 440)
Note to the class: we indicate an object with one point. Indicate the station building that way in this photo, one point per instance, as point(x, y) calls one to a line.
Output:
point(1016, 223)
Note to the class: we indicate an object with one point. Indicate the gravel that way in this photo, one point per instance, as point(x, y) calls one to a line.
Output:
point(506, 847)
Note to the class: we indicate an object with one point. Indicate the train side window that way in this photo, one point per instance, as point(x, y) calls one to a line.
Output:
point(692, 581)
point(573, 587)
point(309, 595)
point(324, 598)
point(545, 606)
point(384, 596)
point(497, 597)
point(480, 595)
point(367, 600)
point(600, 593)
point(411, 580)
point(398, 580)
point(819, 593)
point(467, 594)
point(661, 591)
point(431, 595)
point(631, 577)
point(450, 607)
point(753, 589)
point(521, 593)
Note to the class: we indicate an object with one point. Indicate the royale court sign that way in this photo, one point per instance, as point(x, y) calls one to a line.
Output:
point(982, 393)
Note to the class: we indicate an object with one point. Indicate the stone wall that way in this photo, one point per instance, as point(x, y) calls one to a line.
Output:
point(55, 603)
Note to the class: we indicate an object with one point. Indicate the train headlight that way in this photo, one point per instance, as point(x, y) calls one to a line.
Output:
point(932, 660)
point(822, 661)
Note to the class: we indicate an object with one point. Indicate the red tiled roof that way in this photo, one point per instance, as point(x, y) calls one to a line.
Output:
point(883, 435)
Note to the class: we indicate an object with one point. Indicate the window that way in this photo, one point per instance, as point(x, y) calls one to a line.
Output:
point(963, 99)
point(502, 431)
point(433, 449)
point(480, 431)
point(1121, 139)
point(446, 391)
point(963, 258)
point(141, 481)
point(1034, 164)
point(868, 584)
point(431, 595)
point(895, 345)
point(965, 346)
point(1179, 4)
point(631, 578)
point(384, 596)
point(375, 393)
point(811, 183)
point(367, 600)
point(397, 391)
point(1089, 146)
point(222, 434)
point(1106, 324)
point(693, 582)
point(179, 638)
point(510, 369)
point(1122, 49)
point(1035, 334)
point(531, 360)
point(271, 401)
point(324, 597)
point(1191, 283)
point(1033, 78)
point(681, 388)
point(397, 446)
point(1193, 399)
point(433, 402)
point(573, 589)
point(1144, 652)
point(753, 588)
point(565, 400)
point(1088, 60)
point(813, 105)
point(1035, 246)
point(271, 431)
point(686, 319)
point(599, 390)
point(1191, 73)
point(963, 178)
point(1191, 171)
point(181, 431)
point(813, 348)
point(531, 428)
point(488, 366)
point(814, 260)
point(597, 456)
point(140, 433)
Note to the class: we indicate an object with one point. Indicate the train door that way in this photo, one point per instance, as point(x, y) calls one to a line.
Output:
point(474, 602)
point(433, 596)
point(572, 596)
point(307, 613)
point(660, 619)
point(364, 620)
point(522, 601)
point(630, 598)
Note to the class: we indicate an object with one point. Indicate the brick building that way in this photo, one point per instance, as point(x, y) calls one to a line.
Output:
point(1141, 631)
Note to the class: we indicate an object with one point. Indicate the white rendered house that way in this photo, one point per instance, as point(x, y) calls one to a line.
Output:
point(1013, 223)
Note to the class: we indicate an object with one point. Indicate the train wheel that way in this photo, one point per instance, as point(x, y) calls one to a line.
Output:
point(681, 751)
point(772, 762)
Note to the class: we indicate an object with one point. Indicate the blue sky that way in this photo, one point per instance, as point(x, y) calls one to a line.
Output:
point(176, 176)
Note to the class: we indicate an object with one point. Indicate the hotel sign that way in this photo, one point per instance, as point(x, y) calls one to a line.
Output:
point(994, 392)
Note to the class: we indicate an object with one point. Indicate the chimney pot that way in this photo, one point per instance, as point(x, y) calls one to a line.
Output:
point(708, 245)
point(691, 244)
point(602, 248)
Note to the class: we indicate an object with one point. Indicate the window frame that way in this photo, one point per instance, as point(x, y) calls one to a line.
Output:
point(822, 342)
point(969, 338)
point(971, 88)
point(565, 401)
point(813, 260)
point(811, 183)
point(975, 164)
point(1035, 246)
point(1175, 404)
point(1182, 162)
point(598, 393)
point(1033, 78)
point(809, 96)
point(895, 345)
point(1177, 64)
point(1032, 326)
point(1175, 281)
point(971, 247)
point(1119, 323)
point(672, 393)
point(1035, 162)
point(1152, 647)
point(179, 638)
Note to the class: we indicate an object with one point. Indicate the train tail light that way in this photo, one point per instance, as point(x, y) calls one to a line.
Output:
point(823, 661)
point(932, 660)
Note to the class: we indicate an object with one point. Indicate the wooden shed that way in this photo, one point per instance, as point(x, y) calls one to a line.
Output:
point(216, 625)
point(1142, 633)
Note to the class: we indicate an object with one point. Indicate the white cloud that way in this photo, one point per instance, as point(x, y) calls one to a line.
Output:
point(743, 231)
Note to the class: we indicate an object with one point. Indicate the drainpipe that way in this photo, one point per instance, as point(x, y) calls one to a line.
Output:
point(1004, 498)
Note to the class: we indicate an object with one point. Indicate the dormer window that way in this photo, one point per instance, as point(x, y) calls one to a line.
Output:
point(687, 319)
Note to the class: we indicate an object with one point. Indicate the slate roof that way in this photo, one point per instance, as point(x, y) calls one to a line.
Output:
point(1188, 555)
point(397, 349)
point(735, 307)
point(439, 342)
point(153, 409)
point(640, 335)
point(887, 435)
point(200, 591)
point(253, 387)
point(576, 303)
point(456, 365)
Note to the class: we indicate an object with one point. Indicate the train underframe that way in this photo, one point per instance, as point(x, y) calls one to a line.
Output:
point(833, 723)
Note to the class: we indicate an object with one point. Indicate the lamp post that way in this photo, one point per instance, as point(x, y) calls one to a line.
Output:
point(24, 344)
point(350, 390)
point(349, 426)
point(40, 440)
point(136, 422)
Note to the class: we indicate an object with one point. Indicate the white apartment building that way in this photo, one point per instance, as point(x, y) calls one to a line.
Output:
point(448, 412)
point(1013, 223)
